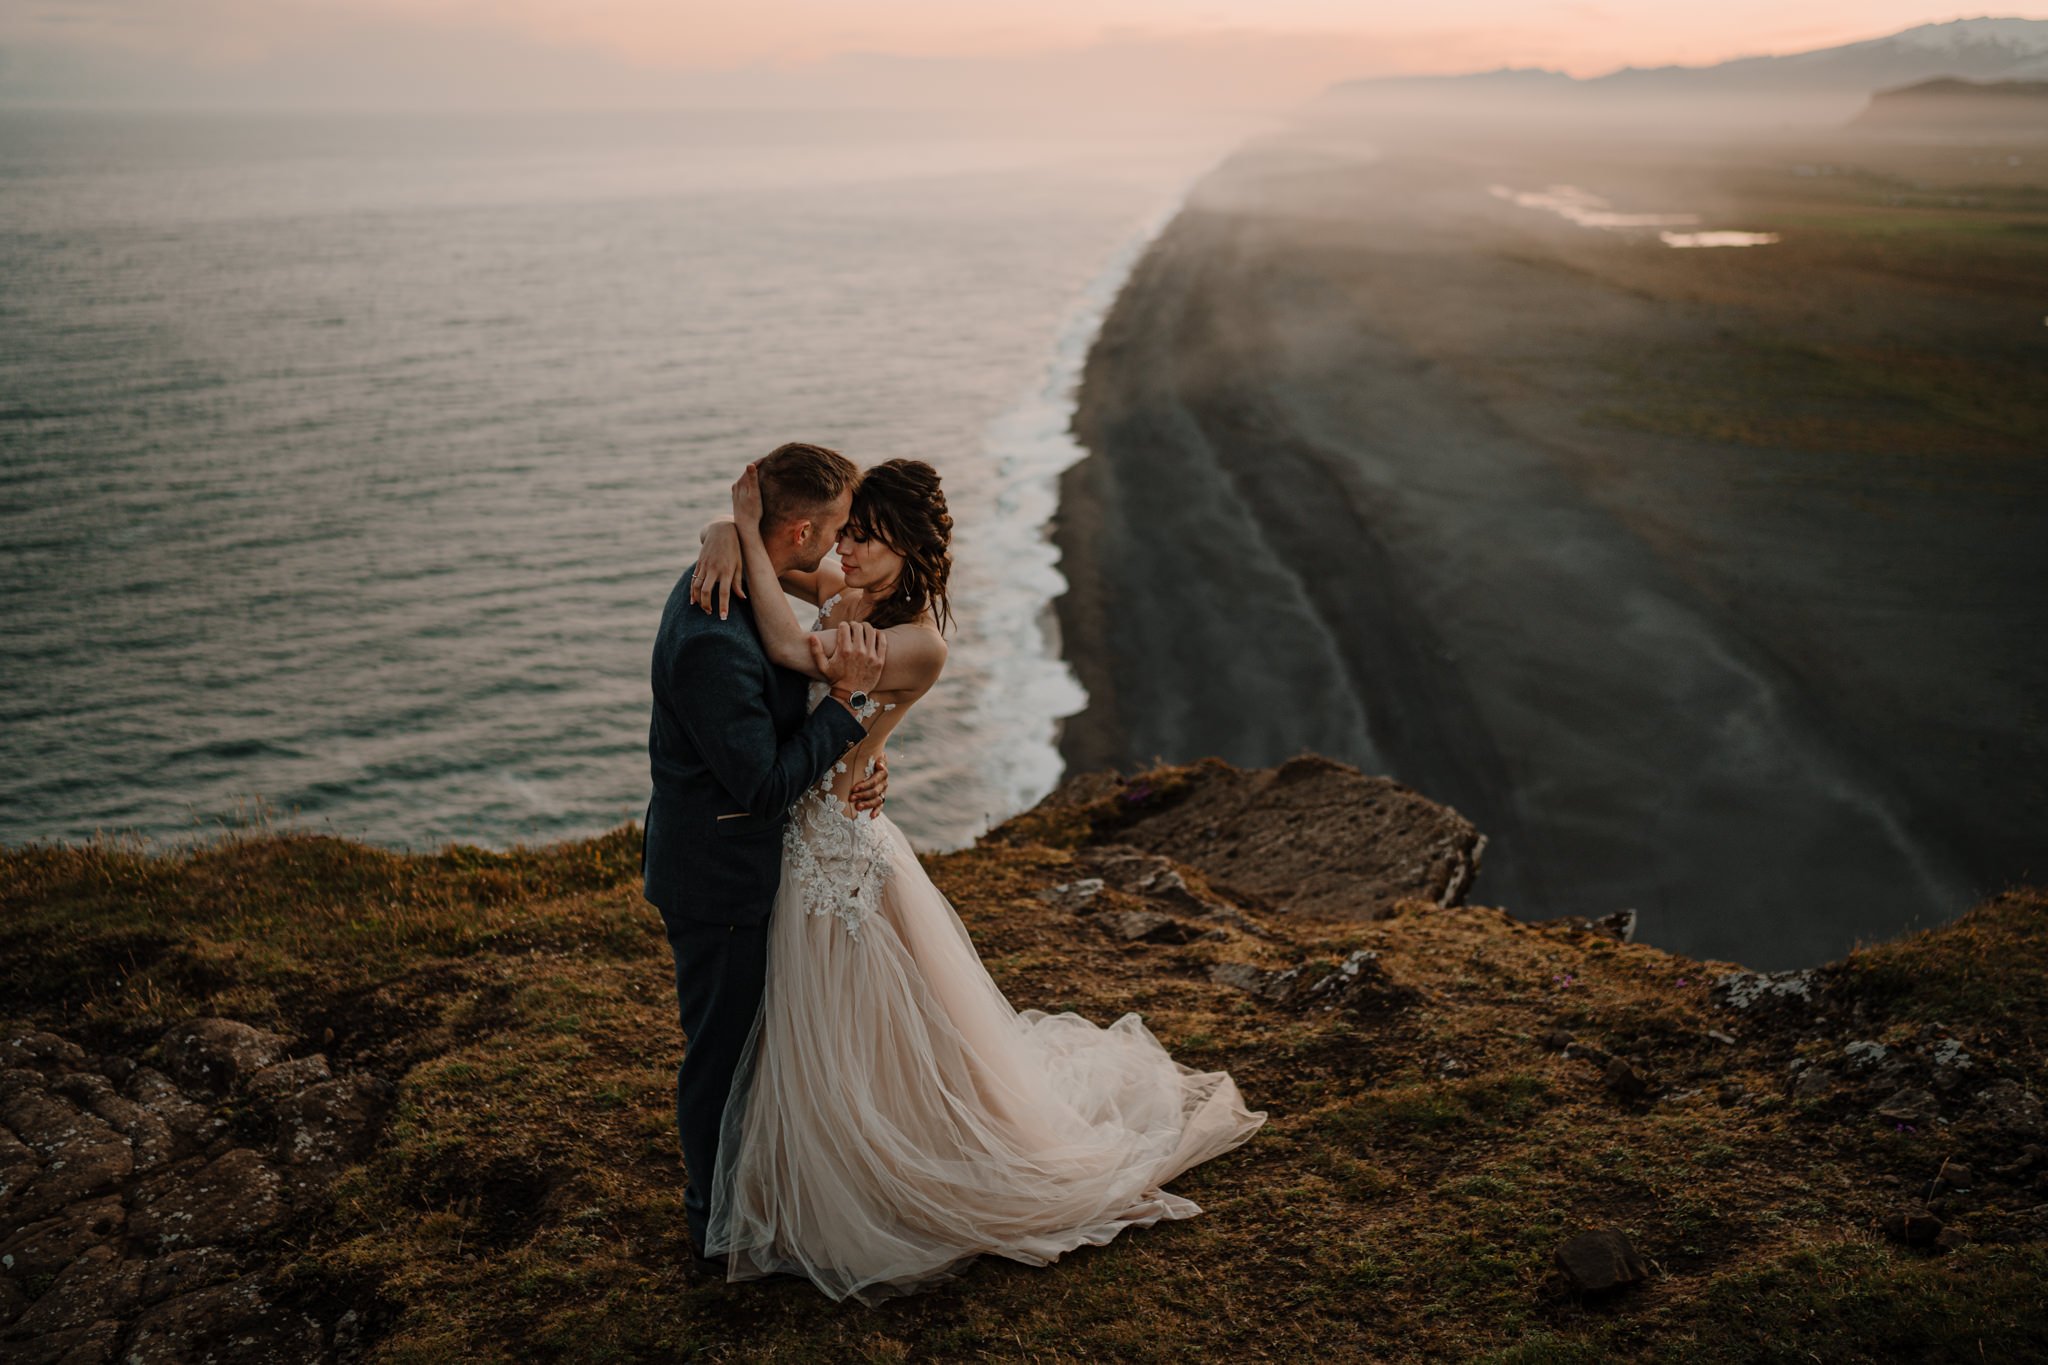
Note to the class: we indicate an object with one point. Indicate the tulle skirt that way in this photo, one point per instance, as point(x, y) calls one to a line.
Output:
point(893, 1117)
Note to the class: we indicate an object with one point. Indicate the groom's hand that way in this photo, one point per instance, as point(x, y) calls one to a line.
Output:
point(871, 791)
point(855, 664)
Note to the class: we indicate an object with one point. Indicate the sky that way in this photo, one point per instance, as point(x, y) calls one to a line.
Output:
point(1227, 54)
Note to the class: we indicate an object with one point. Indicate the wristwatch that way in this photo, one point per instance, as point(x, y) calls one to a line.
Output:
point(858, 702)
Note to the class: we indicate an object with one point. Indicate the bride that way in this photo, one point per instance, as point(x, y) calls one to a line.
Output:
point(893, 1117)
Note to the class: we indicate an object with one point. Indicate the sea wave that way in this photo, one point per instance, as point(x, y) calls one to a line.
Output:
point(1028, 447)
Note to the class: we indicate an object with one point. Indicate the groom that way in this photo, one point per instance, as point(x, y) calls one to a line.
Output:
point(732, 750)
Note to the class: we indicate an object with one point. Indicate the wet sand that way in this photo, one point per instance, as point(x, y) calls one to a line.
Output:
point(1664, 567)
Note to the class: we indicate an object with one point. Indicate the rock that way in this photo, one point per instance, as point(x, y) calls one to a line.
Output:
point(93, 1344)
point(1358, 983)
point(2031, 1156)
point(2024, 1225)
point(153, 1091)
point(2009, 1106)
point(1864, 1056)
point(1311, 837)
point(1146, 926)
point(80, 1155)
point(1915, 1107)
point(1725, 1039)
point(1077, 896)
point(1619, 926)
point(1732, 1092)
point(18, 1165)
point(1750, 992)
point(1625, 1081)
point(1812, 1083)
point(96, 1286)
point(218, 1054)
point(1600, 1261)
point(1954, 1175)
point(329, 1122)
point(285, 1078)
point(1913, 1227)
point(148, 1136)
point(16, 1079)
point(1275, 987)
point(41, 1052)
point(186, 1270)
point(1951, 1237)
point(48, 1246)
point(1949, 1065)
point(229, 1321)
point(228, 1200)
point(1554, 1040)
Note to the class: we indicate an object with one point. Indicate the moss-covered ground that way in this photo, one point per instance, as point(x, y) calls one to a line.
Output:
point(1419, 1166)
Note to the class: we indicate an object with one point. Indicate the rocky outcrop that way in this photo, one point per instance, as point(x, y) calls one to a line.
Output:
point(142, 1200)
point(1312, 837)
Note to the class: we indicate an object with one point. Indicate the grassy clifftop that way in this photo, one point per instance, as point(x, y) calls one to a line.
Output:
point(484, 1164)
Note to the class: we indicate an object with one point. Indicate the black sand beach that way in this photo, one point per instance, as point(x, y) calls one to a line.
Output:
point(1707, 582)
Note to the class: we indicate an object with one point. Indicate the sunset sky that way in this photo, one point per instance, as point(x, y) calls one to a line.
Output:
point(1216, 53)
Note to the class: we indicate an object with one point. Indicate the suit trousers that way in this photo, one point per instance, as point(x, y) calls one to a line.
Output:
point(721, 970)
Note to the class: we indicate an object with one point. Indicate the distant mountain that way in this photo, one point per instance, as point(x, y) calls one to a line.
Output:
point(1949, 105)
point(1976, 49)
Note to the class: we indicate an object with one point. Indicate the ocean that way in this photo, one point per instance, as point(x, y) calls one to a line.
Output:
point(346, 461)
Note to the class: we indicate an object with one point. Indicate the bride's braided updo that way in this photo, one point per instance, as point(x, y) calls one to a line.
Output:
point(900, 503)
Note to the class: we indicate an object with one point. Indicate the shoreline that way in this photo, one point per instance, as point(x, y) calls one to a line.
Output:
point(1641, 663)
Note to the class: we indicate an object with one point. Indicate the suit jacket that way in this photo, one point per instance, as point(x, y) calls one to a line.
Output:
point(731, 750)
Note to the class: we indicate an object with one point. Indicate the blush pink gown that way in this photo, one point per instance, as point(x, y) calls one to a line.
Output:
point(894, 1117)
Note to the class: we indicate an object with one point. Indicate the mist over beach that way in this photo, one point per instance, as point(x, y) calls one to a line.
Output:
point(1649, 467)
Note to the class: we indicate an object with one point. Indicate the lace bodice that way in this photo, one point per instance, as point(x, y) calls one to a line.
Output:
point(837, 862)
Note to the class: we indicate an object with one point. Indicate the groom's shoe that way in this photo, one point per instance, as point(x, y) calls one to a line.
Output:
point(698, 1266)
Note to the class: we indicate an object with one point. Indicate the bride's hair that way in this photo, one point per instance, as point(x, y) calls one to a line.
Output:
point(900, 503)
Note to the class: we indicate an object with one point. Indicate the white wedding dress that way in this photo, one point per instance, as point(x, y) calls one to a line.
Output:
point(893, 1117)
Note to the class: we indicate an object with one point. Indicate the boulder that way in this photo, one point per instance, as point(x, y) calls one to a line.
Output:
point(48, 1246)
point(1311, 837)
point(1625, 1081)
point(218, 1054)
point(1812, 1082)
point(79, 1154)
point(1913, 1227)
point(1600, 1261)
point(2010, 1107)
point(1077, 896)
point(1358, 984)
point(228, 1200)
point(1910, 1106)
point(1759, 992)
point(96, 1286)
point(1146, 926)
point(330, 1122)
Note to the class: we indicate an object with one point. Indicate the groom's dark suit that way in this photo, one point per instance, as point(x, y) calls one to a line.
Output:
point(731, 751)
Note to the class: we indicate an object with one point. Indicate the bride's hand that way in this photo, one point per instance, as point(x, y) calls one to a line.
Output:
point(746, 497)
point(721, 570)
point(871, 791)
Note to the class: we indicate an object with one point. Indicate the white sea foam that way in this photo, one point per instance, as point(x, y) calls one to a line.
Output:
point(1016, 719)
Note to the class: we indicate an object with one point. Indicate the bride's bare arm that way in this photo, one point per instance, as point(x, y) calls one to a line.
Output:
point(721, 572)
point(916, 653)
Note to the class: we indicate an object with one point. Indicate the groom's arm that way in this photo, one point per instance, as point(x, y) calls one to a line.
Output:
point(725, 712)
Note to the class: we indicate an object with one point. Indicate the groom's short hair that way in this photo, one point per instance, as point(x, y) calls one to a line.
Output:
point(799, 480)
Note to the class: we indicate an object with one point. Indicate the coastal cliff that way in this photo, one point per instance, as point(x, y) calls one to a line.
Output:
point(1702, 580)
point(287, 1097)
